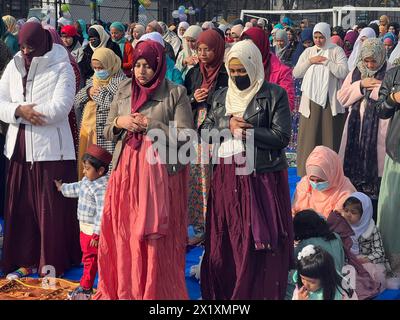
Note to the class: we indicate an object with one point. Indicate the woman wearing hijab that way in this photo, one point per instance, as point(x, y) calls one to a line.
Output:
point(98, 38)
point(282, 49)
point(11, 25)
point(201, 82)
point(173, 74)
point(80, 26)
point(70, 39)
point(324, 188)
point(182, 27)
point(137, 31)
point(188, 58)
point(8, 38)
point(72, 117)
point(349, 41)
point(389, 43)
point(389, 197)
point(236, 32)
point(249, 235)
point(322, 68)
point(143, 243)
point(36, 94)
point(171, 38)
point(363, 142)
point(95, 100)
point(117, 30)
point(154, 26)
point(366, 33)
point(275, 71)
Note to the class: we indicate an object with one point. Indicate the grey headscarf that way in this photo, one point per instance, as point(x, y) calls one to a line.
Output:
point(281, 35)
point(371, 48)
point(170, 37)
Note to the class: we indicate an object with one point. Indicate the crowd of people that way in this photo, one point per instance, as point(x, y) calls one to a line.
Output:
point(83, 107)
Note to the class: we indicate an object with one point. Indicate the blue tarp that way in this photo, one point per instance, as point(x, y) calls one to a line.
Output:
point(193, 258)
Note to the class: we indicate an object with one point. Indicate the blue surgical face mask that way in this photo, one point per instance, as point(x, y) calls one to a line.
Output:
point(319, 186)
point(102, 74)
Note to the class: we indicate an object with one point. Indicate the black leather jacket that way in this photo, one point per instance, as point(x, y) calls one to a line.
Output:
point(269, 113)
point(388, 108)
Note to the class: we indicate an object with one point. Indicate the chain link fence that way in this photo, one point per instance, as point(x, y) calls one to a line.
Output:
point(107, 10)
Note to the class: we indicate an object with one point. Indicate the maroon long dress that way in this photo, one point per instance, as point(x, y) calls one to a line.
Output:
point(41, 226)
point(240, 209)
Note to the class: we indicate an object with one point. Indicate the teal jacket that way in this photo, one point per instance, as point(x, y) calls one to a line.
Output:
point(173, 74)
point(11, 41)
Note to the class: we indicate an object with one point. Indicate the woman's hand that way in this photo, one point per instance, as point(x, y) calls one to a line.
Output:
point(134, 122)
point(94, 92)
point(191, 61)
point(302, 294)
point(238, 127)
point(200, 95)
point(370, 83)
point(318, 60)
point(27, 113)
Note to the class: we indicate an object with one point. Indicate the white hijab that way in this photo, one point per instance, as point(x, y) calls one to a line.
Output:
point(317, 91)
point(362, 226)
point(238, 100)
point(366, 32)
point(104, 37)
point(191, 32)
point(183, 25)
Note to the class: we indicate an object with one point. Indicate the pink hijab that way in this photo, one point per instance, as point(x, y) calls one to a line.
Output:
point(325, 164)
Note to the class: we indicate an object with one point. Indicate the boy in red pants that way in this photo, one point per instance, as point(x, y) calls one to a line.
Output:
point(90, 191)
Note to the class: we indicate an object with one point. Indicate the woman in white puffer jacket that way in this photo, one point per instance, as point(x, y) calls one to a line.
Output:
point(36, 94)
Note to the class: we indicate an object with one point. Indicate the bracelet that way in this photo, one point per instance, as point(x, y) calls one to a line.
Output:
point(115, 123)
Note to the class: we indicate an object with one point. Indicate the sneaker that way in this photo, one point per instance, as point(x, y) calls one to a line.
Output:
point(21, 273)
point(80, 294)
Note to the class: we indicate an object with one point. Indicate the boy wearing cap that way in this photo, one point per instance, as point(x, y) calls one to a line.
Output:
point(90, 191)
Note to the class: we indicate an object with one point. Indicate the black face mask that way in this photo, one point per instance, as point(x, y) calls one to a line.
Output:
point(242, 82)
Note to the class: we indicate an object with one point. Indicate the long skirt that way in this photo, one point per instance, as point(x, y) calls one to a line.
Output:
point(320, 129)
point(199, 185)
point(130, 267)
point(232, 268)
point(41, 226)
point(87, 134)
point(389, 212)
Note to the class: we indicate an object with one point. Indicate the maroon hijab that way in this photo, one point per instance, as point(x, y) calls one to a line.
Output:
point(33, 35)
point(154, 54)
point(210, 71)
point(260, 39)
point(351, 36)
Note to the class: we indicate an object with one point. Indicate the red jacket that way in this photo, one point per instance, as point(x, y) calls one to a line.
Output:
point(281, 75)
point(127, 63)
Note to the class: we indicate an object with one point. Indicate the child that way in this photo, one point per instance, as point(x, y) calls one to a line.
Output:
point(316, 276)
point(90, 190)
point(367, 241)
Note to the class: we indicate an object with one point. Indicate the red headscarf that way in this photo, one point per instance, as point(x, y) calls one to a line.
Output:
point(260, 39)
point(57, 40)
point(33, 35)
point(216, 43)
point(154, 54)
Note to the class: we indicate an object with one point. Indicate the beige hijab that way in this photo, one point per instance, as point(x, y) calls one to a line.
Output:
point(110, 61)
point(104, 37)
point(250, 57)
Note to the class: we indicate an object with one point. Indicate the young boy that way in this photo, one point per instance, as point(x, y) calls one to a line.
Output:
point(90, 191)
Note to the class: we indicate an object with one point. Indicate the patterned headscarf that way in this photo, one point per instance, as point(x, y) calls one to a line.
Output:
point(371, 48)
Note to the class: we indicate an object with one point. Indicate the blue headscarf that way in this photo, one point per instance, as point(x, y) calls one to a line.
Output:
point(306, 34)
point(287, 21)
point(390, 36)
point(121, 42)
point(82, 23)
